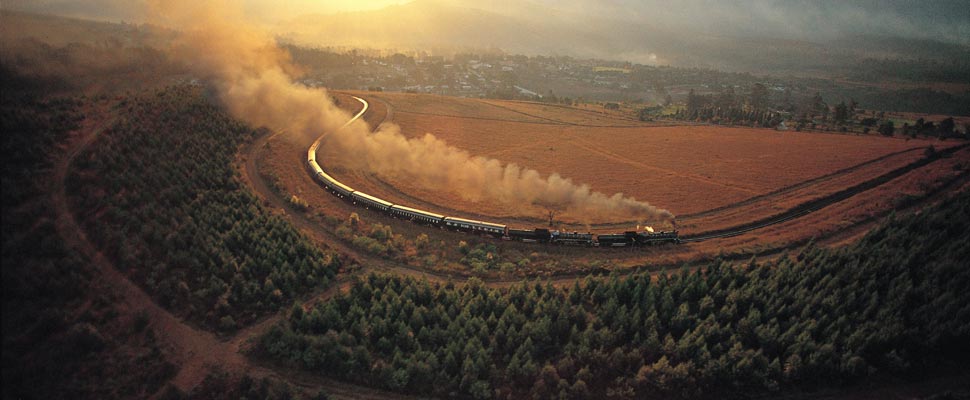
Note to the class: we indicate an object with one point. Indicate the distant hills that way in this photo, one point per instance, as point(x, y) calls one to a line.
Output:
point(536, 29)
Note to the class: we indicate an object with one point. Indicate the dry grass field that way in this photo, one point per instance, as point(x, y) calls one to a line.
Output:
point(586, 114)
point(451, 106)
point(841, 220)
point(712, 177)
point(685, 169)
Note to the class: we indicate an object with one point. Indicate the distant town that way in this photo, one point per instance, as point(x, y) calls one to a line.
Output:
point(495, 75)
point(563, 79)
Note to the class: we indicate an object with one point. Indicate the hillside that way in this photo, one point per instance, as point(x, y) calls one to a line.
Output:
point(643, 33)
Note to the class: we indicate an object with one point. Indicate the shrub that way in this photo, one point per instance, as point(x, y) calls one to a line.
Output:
point(299, 203)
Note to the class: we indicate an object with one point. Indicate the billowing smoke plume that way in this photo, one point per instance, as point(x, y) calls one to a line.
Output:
point(432, 163)
point(254, 79)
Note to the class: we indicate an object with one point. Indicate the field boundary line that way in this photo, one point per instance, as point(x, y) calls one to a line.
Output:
point(800, 185)
point(822, 202)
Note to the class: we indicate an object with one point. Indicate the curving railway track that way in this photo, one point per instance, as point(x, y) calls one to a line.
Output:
point(368, 263)
point(785, 216)
point(196, 350)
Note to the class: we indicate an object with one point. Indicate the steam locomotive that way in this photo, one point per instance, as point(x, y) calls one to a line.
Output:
point(538, 235)
point(629, 238)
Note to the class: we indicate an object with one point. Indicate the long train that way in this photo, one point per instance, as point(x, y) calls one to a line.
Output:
point(538, 235)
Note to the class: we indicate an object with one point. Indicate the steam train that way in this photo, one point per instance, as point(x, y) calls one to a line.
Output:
point(538, 235)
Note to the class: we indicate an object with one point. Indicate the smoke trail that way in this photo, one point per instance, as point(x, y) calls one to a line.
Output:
point(254, 79)
point(432, 163)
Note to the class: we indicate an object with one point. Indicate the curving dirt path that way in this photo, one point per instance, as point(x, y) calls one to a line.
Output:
point(195, 351)
point(190, 347)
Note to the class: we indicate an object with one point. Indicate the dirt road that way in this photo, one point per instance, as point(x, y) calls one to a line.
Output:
point(197, 351)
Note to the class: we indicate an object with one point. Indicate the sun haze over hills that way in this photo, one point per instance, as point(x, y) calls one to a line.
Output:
point(767, 37)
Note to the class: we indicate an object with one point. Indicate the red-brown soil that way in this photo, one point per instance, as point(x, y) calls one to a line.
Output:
point(744, 187)
point(685, 169)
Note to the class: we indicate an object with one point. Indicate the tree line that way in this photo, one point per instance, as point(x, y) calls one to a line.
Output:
point(758, 108)
point(159, 193)
point(62, 335)
point(892, 303)
point(727, 107)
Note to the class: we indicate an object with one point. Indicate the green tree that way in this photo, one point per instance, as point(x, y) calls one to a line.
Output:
point(886, 128)
point(946, 127)
point(693, 104)
point(841, 112)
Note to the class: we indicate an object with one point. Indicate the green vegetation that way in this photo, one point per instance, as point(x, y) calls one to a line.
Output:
point(220, 385)
point(914, 70)
point(62, 338)
point(920, 100)
point(32, 126)
point(895, 302)
point(726, 107)
point(375, 238)
point(299, 203)
point(159, 194)
point(756, 108)
point(480, 257)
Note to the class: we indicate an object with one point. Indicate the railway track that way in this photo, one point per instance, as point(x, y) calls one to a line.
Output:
point(793, 213)
point(822, 202)
point(196, 350)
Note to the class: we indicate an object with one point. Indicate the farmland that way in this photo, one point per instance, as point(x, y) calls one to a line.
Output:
point(163, 237)
point(685, 169)
point(756, 175)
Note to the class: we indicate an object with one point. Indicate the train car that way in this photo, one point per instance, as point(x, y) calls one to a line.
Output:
point(469, 225)
point(615, 240)
point(369, 201)
point(312, 166)
point(334, 185)
point(537, 235)
point(650, 238)
point(571, 239)
point(312, 156)
point(414, 214)
point(341, 189)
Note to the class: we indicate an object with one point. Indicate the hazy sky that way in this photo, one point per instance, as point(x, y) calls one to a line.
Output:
point(947, 21)
point(269, 11)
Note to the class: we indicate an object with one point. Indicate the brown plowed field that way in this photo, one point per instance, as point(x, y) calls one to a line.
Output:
point(791, 196)
point(947, 173)
point(581, 115)
point(685, 169)
point(758, 188)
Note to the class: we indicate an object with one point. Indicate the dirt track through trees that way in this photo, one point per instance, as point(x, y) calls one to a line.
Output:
point(197, 351)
